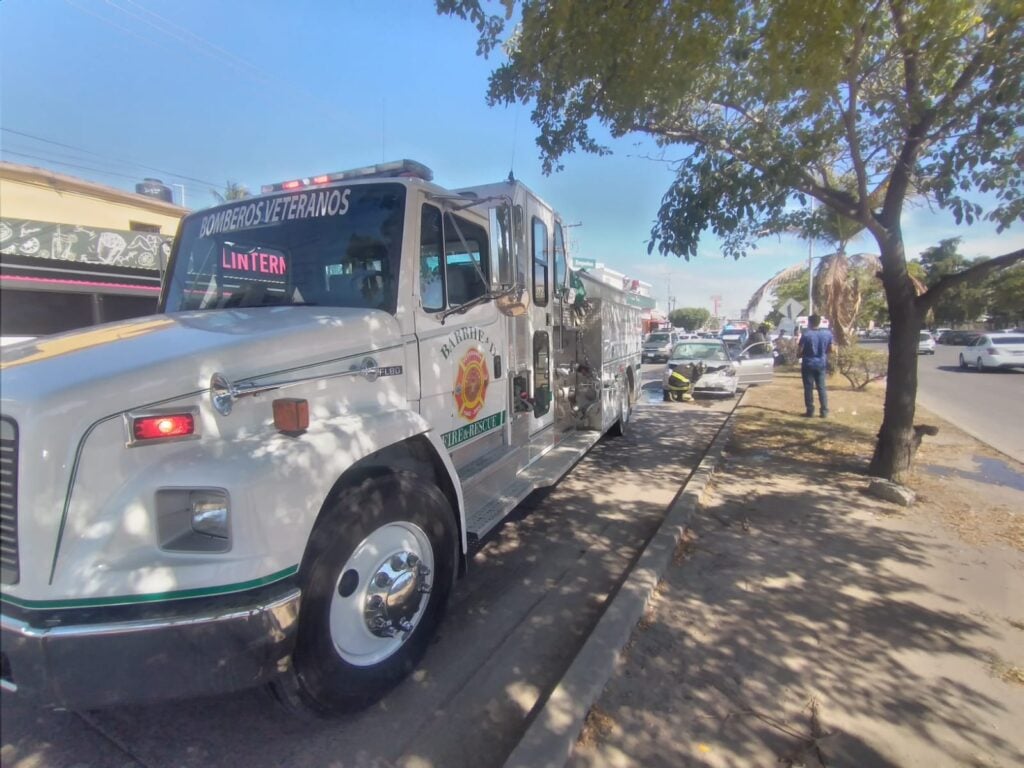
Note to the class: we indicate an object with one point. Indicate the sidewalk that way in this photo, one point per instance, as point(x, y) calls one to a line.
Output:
point(802, 622)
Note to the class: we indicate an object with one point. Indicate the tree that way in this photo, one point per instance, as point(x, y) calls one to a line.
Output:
point(768, 100)
point(690, 318)
point(232, 191)
point(963, 303)
point(1006, 297)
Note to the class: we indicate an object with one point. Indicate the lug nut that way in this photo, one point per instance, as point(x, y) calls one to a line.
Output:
point(382, 580)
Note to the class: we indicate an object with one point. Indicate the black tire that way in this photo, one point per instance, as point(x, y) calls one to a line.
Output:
point(665, 396)
point(963, 363)
point(621, 427)
point(981, 368)
point(321, 681)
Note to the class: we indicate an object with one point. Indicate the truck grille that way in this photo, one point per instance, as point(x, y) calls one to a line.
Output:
point(8, 501)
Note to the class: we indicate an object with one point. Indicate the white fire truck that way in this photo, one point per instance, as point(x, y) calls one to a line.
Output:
point(277, 479)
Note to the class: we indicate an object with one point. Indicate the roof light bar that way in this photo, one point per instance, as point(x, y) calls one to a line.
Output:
point(392, 170)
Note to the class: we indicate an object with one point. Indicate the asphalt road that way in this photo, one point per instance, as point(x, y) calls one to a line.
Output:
point(988, 406)
point(533, 594)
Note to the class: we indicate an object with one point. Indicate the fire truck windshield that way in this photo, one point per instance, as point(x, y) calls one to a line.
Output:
point(336, 246)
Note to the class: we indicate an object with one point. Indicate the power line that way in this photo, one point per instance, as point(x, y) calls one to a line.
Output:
point(207, 48)
point(69, 165)
point(108, 159)
point(203, 41)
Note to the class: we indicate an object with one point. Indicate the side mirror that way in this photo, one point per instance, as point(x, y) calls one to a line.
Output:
point(501, 244)
point(512, 302)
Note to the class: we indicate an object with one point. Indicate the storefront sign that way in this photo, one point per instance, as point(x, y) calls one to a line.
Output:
point(87, 245)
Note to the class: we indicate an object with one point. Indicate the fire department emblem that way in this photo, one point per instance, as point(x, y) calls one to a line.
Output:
point(471, 384)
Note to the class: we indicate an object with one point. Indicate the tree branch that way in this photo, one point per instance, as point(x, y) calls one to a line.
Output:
point(850, 122)
point(927, 300)
point(827, 196)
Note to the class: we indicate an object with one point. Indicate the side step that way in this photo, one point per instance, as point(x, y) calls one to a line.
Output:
point(545, 471)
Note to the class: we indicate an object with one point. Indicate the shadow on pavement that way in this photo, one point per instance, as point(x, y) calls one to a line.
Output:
point(795, 624)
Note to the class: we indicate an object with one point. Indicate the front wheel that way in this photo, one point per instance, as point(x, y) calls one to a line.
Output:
point(375, 580)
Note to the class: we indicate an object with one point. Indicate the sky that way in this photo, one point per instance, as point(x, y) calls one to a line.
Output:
point(200, 92)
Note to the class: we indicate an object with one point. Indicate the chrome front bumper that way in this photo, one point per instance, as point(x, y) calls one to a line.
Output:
point(84, 665)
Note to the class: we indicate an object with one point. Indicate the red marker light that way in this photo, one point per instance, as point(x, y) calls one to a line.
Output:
point(291, 185)
point(163, 427)
point(321, 179)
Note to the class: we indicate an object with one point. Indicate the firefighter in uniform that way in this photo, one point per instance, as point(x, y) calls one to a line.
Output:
point(679, 387)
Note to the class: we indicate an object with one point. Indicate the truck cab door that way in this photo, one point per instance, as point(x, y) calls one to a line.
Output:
point(461, 335)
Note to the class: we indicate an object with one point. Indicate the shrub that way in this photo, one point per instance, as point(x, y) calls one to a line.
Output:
point(860, 366)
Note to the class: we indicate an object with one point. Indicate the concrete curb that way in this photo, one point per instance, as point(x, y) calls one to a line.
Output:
point(549, 739)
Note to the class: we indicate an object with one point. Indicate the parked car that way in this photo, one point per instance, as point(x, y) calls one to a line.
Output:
point(993, 351)
point(939, 333)
point(723, 371)
point(926, 344)
point(959, 338)
point(658, 346)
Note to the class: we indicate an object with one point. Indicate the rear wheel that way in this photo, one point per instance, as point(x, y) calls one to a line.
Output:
point(981, 366)
point(621, 426)
point(375, 579)
point(963, 363)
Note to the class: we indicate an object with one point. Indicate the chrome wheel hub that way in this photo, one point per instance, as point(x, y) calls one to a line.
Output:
point(395, 593)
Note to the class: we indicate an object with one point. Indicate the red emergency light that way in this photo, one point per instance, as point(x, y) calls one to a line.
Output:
point(163, 427)
point(392, 170)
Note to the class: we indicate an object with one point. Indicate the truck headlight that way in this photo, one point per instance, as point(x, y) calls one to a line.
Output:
point(193, 519)
point(210, 513)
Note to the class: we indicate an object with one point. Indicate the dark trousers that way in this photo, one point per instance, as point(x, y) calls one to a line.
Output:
point(814, 379)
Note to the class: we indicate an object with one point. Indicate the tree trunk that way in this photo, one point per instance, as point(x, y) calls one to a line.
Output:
point(894, 451)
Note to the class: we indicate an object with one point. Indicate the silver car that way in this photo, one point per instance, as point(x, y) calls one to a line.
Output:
point(658, 345)
point(723, 372)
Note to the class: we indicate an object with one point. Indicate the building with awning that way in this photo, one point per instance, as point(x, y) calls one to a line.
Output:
point(75, 253)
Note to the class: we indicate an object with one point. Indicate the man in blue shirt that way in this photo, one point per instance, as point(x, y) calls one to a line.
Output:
point(815, 344)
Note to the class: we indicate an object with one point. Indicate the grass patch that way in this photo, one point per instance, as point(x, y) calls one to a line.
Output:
point(1008, 673)
point(771, 423)
point(596, 727)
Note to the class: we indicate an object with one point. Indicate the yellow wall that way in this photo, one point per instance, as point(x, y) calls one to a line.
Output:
point(42, 202)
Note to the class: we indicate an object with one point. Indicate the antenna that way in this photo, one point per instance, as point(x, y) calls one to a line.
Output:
point(515, 138)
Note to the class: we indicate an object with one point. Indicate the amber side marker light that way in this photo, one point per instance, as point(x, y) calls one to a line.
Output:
point(163, 427)
point(291, 415)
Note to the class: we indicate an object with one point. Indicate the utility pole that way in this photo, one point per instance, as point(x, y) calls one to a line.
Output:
point(810, 269)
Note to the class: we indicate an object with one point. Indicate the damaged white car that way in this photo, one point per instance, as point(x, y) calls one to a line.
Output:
point(715, 370)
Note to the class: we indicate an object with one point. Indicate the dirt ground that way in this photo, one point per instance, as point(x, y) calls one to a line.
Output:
point(804, 623)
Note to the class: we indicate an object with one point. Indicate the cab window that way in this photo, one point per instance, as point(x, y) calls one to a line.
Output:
point(454, 260)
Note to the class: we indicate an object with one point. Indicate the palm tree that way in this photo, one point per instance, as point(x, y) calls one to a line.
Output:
point(838, 288)
point(838, 278)
point(232, 191)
